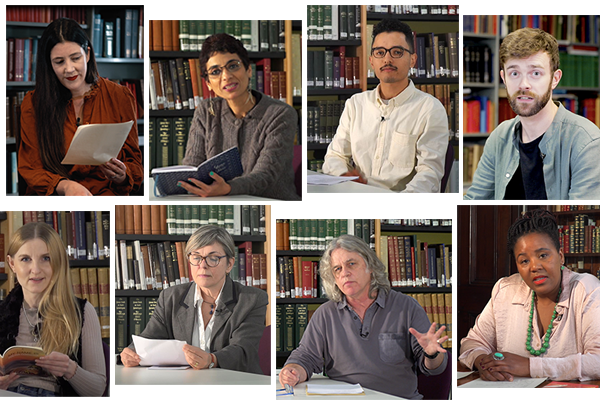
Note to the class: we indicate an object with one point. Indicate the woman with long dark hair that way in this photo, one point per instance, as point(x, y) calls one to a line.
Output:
point(69, 93)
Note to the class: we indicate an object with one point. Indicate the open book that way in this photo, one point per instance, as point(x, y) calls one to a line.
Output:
point(21, 359)
point(227, 165)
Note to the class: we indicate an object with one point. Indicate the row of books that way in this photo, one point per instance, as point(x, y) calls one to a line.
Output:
point(323, 118)
point(332, 69)
point(131, 317)
point(21, 59)
point(85, 234)
point(13, 113)
point(119, 33)
point(189, 35)
point(45, 14)
point(471, 155)
point(160, 265)
point(563, 208)
point(576, 65)
point(581, 236)
point(417, 222)
point(316, 165)
point(298, 277)
point(478, 63)
point(412, 262)
point(168, 140)
point(335, 22)
point(12, 178)
point(449, 99)
point(572, 28)
point(185, 219)
point(315, 234)
point(478, 114)
point(92, 284)
point(480, 24)
point(438, 307)
point(415, 9)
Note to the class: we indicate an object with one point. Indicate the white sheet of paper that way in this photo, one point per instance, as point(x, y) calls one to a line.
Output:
point(159, 352)
point(518, 382)
point(328, 179)
point(338, 388)
point(461, 374)
point(95, 144)
point(174, 368)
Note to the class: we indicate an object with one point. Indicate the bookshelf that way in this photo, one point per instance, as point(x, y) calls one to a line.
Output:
point(125, 299)
point(298, 310)
point(127, 70)
point(485, 94)
point(325, 106)
point(281, 63)
point(91, 269)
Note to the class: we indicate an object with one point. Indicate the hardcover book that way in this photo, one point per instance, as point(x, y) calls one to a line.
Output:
point(227, 165)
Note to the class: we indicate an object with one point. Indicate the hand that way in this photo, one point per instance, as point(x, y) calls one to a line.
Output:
point(430, 341)
point(58, 364)
point(512, 365)
point(6, 380)
point(355, 172)
point(130, 358)
point(114, 170)
point(196, 357)
point(292, 374)
point(71, 188)
point(218, 188)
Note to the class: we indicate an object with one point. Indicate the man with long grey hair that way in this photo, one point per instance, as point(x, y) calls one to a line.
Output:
point(362, 334)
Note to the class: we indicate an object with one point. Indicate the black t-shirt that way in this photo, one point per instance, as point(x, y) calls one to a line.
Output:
point(528, 181)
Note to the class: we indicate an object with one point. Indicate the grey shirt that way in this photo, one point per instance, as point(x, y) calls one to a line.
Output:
point(378, 353)
point(264, 138)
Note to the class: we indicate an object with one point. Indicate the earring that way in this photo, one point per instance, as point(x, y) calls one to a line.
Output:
point(562, 267)
point(211, 109)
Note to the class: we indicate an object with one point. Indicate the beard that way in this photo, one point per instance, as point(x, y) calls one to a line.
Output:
point(529, 110)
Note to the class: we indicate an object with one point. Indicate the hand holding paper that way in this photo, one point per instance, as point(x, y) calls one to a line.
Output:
point(96, 144)
point(159, 351)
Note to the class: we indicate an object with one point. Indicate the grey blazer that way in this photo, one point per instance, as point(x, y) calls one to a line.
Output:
point(238, 327)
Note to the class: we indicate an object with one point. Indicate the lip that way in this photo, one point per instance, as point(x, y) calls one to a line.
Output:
point(36, 280)
point(230, 87)
point(388, 68)
point(539, 280)
point(72, 78)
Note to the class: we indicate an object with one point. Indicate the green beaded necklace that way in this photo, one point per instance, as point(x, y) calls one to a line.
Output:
point(546, 343)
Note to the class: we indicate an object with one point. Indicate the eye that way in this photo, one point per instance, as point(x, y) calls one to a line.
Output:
point(215, 72)
point(46, 258)
point(379, 53)
point(397, 53)
point(513, 74)
point(25, 259)
point(233, 66)
point(543, 255)
point(536, 73)
point(213, 260)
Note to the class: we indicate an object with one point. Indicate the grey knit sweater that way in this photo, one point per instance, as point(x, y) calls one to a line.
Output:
point(264, 137)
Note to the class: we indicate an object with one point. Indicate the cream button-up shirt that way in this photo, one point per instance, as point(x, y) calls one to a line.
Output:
point(201, 337)
point(400, 145)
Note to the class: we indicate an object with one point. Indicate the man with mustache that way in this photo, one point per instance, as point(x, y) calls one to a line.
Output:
point(394, 136)
point(546, 152)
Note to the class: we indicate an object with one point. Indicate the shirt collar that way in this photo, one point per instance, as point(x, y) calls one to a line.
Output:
point(523, 293)
point(399, 99)
point(380, 301)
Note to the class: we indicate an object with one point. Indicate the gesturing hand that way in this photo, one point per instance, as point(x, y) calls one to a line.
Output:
point(355, 172)
point(499, 370)
point(58, 364)
point(430, 341)
point(218, 188)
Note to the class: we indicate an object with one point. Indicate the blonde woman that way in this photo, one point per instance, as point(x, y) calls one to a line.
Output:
point(42, 311)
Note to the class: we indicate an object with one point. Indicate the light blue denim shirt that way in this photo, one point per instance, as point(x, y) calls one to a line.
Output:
point(571, 146)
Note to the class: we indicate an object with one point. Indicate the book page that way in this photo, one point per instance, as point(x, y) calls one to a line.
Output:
point(95, 144)
point(21, 359)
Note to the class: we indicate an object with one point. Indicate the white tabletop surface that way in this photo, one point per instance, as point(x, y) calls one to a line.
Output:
point(187, 197)
point(344, 187)
point(7, 393)
point(300, 391)
point(215, 376)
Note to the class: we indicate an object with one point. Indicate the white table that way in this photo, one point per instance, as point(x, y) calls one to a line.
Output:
point(187, 197)
point(215, 376)
point(8, 393)
point(300, 391)
point(344, 187)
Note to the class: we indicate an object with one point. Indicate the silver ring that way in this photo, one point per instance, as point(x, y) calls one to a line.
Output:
point(498, 356)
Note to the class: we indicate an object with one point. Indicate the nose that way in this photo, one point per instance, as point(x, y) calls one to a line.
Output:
point(35, 267)
point(524, 83)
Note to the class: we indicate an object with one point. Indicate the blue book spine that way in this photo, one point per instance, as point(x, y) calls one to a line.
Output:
point(34, 49)
point(135, 20)
point(80, 235)
point(97, 35)
point(26, 59)
point(15, 174)
point(118, 38)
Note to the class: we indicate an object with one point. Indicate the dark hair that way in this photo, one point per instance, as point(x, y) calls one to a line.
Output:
point(394, 25)
point(222, 43)
point(536, 221)
point(51, 97)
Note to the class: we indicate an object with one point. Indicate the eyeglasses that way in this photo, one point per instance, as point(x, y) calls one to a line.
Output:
point(395, 52)
point(232, 66)
point(211, 261)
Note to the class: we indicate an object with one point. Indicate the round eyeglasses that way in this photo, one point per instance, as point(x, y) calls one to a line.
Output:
point(231, 67)
point(212, 261)
point(395, 52)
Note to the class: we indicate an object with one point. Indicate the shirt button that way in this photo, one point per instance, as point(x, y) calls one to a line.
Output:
point(508, 175)
point(355, 318)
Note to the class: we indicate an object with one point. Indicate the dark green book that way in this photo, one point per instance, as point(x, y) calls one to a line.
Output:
point(219, 26)
point(184, 35)
point(293, 234)
point(365, 230)
point(262, 220)
point(264, 35)
point(254, 220)
point(229, 221)
point(289, 320)
point(301, 322)
point(314, 234)
point(319, 69)
point(137, 316)
point(180, 134)
point(358, 228)
point(328, 69)
point(179, 219)
point(278, 335)
point(163, 135)
point(175, 263)
point(203, 215)
point(320, 22)
point(152, 141)
point(171, 219)
point(300, 235)
point(122, 340)
point(151, 303)
point(246, 229)
point(187, 219)
point(274, 35)
point(221, 216)
point(343, 23)
point(169, 263)
point(213, 215)
point(321, 234)
point(247, 35)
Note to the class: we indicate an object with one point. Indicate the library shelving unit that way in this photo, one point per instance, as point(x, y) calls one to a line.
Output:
point(112, 68)
point(424, 231)
point(420, 23)
point(485, 93)
point(281, 61)
point(124, 298)
point(11, 221)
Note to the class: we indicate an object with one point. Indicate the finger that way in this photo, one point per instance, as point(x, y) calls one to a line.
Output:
point(190, 188)
point(415, 333)
point(216, 177)
point(199, 183)
point(439, 331)
point(432, 328)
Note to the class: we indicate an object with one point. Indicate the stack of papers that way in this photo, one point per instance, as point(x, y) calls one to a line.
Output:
point(345, 389)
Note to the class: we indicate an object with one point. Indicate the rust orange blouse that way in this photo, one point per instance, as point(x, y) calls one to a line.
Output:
point(106, 102)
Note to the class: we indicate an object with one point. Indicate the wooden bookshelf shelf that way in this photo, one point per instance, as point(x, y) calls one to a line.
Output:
point(102, 60)
point(42, 25)
point(134, 293)
point(299, 253)
point(404, 228)
point(422, 289)
point(171, 113)
point(582, 254)
point(3, 277)
point(317, 146)
point(318, 300)
point(414, 17)
point(89, 263)
point(333, 92)
point(183, 238)
point(333, 43)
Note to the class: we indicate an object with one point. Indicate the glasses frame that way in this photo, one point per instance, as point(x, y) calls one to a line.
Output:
point(205, 259)
point(390, 51)
point(211, 75)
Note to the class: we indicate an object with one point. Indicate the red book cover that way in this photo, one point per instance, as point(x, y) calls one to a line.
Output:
point(348, 73)
point(307, 279)
point(255, 270)
point(391, 262)
point(356, 72)
point(341, 52)
point(246, 248)
point(426, 261)
point(263, 271)
point(315, 269)
point(275, 90)
point(414, 266)
point(265, 65)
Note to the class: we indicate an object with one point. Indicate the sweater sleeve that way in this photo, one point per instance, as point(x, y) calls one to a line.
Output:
point(195, 152)
point(338, 159)
point(275, 154)
point(90, 378)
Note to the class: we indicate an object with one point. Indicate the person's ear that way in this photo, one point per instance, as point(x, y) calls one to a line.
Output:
point(556, 78)
point(502, 76)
